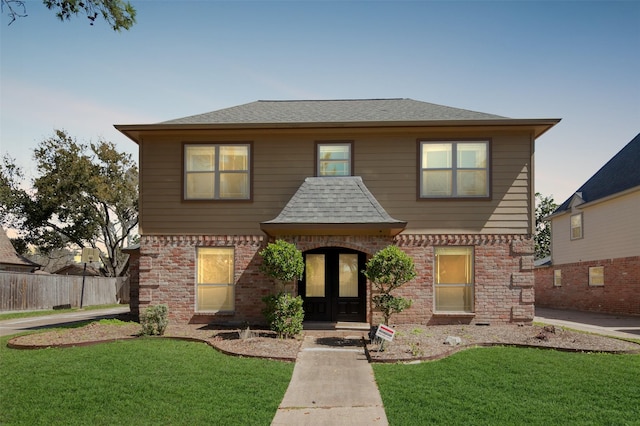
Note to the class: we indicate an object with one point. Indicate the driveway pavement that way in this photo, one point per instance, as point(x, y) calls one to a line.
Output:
point(18, 325)
point(626, 327)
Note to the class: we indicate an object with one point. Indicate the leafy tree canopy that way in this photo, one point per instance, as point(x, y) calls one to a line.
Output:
point(119, 14)
point(84, 195)
point(544, 207)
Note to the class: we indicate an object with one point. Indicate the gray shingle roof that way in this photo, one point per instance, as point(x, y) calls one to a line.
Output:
point(620, 173)
point(8, 255)
point(333, 200)
point(334, 111)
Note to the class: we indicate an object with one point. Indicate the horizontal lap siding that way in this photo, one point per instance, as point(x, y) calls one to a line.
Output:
point(387, 164)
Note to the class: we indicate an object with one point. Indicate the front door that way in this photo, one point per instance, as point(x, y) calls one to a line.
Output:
point(333, 287)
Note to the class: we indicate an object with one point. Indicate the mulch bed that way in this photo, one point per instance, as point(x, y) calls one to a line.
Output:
point(411, 342)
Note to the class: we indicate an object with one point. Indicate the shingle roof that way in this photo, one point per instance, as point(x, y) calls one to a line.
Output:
point(620, 173)
point(8, 254)
point(333, 200)
point(334, 111)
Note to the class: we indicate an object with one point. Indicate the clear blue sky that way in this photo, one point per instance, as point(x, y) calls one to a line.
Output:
point(574, 60)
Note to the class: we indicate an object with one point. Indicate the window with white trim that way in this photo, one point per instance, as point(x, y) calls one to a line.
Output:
point(454, 169)
point(596, 276)
point(216, 172)
point(576, 226)
point(215, 279)
point(453, 279)
point(334, 159)
point(557, 277)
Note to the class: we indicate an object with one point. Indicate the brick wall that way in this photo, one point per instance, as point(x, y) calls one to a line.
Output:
point(503, 275)
point(619, 295)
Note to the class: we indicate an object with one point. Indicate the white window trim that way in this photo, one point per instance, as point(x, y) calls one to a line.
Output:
point(197, 284)
point(581, 227)
point(591, 276)
point(472, 285)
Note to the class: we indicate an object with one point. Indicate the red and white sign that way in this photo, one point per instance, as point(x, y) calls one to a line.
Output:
point(385, 332)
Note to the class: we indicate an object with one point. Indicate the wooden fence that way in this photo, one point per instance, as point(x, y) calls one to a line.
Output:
point(20, 292)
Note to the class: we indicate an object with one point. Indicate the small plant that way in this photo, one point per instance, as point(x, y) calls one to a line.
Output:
point(417, 331)
point(389, 269)
point(282, 261)
point(154, 320)
point(284, 314)
point(416, 350)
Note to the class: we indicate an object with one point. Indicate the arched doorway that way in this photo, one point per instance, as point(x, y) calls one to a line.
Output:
point(333, 286)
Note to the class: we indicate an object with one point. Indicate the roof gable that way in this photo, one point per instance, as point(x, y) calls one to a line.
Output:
point(8, 255)
point(620, 173)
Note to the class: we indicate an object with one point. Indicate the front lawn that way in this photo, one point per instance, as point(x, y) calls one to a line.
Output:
point(138, 382)
point(501, 385)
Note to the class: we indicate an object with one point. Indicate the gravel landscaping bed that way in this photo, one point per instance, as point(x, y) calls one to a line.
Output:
point(410, 343)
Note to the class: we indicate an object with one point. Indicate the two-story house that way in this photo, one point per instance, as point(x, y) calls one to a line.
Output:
point(595, 242)
point(341, 179)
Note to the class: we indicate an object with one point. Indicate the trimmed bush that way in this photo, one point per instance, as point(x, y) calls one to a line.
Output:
point(282, 260)
point(284, 314)
point(389, 269)
point(154, 320)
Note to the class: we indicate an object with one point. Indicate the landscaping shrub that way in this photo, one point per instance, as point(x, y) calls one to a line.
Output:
point(154, 320)
point(284, 314)
point(389, 269)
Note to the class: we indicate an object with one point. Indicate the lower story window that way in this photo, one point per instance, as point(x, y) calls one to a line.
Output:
point(215, 279)
point(557, 277)
point(596, 276)
point(454, 279)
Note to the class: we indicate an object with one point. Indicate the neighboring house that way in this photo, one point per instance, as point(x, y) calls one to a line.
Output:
point(341, 179)
point(595, 242)
point(79, 269)
point(10, 260)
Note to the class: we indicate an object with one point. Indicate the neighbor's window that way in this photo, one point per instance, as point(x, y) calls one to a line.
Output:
point(454, 279)
point(557, 277)
point(454, 169)
point(576, 226)
point(215, 279)
point(334, 159)
point(596, 275)
point(216, 172)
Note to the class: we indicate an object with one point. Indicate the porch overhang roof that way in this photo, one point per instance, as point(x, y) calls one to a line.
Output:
point(333, 206)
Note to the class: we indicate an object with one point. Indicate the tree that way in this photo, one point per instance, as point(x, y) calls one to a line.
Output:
point(389, 269)
point(544, 207)
point(119, 14)
point(85, 195)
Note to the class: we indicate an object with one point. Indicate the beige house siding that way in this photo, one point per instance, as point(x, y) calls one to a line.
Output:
point(386, 160)
point(611, 230)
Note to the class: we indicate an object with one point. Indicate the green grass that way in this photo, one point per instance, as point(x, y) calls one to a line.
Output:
point(138, 382)
point(513, 386)
point(29, 314)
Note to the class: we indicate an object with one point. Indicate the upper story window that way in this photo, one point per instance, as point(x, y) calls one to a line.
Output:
point(454, 169)
point(217, 172)
point(576, 226)
point(334, 159)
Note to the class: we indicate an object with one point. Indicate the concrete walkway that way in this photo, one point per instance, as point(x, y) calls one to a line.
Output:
point(626, 327)
point(332, 384)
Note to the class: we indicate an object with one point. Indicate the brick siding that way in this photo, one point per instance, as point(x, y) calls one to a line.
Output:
point(619, 295)
point(503, 290)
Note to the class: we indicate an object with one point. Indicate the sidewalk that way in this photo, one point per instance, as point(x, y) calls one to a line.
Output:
point(17, 325)
point(626, 327)
point(332, 384)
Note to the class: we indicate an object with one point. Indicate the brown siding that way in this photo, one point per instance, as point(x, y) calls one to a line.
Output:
point(386, 161)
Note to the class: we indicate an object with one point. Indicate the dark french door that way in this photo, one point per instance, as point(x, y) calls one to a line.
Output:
point(333, 287)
